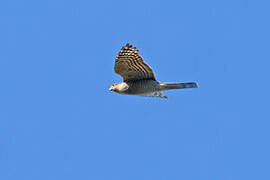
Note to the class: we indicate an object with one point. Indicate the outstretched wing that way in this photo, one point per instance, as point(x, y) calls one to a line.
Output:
point(130, 65)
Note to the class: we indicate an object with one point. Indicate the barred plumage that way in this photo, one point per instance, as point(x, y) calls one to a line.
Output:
point(130, 65)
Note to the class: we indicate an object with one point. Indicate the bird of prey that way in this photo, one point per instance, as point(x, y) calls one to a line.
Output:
point(139, 78)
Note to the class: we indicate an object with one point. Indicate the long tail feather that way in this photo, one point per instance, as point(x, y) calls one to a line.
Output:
point(173, 85)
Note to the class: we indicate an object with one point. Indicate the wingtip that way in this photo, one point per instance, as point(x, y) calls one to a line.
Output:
point(128, 45)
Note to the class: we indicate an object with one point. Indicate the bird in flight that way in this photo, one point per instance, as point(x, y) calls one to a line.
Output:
point(138, 78)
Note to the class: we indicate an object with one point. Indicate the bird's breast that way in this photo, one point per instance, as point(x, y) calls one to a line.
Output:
point(142, 87)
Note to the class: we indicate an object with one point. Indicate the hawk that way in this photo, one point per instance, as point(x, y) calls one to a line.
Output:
point(139, 78)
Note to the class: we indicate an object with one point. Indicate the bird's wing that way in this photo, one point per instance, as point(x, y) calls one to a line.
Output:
point(130, 65)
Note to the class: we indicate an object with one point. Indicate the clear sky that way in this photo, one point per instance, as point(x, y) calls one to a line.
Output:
point(59, 121)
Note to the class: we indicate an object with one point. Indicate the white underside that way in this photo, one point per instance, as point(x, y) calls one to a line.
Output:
point(153, 94)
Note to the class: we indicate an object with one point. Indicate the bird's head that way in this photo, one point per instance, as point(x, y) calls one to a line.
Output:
point(119, 87)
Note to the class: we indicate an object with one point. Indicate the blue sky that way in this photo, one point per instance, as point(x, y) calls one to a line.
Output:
point(59, 121)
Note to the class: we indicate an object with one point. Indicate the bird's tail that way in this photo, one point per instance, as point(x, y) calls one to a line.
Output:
point(172, 85)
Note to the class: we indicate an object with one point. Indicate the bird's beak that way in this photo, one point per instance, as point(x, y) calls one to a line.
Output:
point(110, 89)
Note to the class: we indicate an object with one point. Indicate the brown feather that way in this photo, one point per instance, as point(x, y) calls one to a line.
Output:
point(131, 66)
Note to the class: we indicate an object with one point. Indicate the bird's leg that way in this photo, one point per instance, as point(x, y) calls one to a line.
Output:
point(163, 96)
point(159, 94)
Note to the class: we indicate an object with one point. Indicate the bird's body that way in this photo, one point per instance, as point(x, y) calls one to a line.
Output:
point(139, 78)
point(141, 87)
